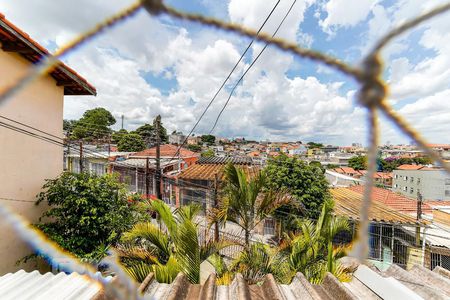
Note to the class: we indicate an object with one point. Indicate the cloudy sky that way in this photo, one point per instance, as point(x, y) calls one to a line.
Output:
point(157, 65)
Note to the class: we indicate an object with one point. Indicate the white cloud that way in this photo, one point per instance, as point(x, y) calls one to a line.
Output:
point(343, 13)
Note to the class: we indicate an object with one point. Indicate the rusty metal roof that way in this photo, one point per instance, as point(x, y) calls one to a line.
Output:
point(226, 160)
point(348, 203)
point(367, 283)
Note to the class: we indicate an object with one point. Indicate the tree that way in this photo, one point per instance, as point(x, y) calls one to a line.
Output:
point(312, 252)
point(86, 212)
point(131, 143)
point(358, 162)
point(246, 201)
point(93, 125)
point(148, 134)
point(195, 148)
point(331, 166)
point(68, 125)
point(314, 145)
point(147, 248)
point(317, 164)
point(118, 135)
point(208, 139)
point(208, 153)
point(254, 264)
point(306, 183)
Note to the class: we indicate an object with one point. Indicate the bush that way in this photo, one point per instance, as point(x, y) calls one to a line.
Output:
point(86, 212)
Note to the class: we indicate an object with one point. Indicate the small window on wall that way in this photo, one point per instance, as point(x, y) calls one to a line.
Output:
point(412, 179)
point(411, 190)
point(447, 181)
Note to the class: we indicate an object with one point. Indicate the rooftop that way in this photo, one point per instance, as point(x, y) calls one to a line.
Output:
point(348, 203)
point(393, 200)
point(201, 171)
point(14, 40)
point(166, 150)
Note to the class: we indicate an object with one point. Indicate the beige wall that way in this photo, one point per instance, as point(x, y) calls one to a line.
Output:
point(25, 162)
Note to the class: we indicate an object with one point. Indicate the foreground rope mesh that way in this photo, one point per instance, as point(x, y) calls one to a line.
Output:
point(372, 95)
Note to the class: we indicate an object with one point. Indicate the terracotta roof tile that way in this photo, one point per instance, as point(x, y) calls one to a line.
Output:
point(348, 203)
point(166, 150)
point(74, 84)
point(409, 167)
point(393, 200)
point(208, 171)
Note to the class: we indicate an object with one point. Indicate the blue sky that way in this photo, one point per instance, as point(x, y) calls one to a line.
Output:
point(158, 65)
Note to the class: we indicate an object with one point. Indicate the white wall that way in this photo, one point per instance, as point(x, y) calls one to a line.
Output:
point(25, 162)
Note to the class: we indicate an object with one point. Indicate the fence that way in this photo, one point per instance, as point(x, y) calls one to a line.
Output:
point(372, 96)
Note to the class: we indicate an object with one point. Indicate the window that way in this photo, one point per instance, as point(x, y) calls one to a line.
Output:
point(418, 180)
point(412, 179)
point(396, 176)
point(440, 260)
point(447, 193)
point(405, 178)
point(411, 190)
point(447, 181)
point(405, 188)
point(76, 165)
point(395, 186)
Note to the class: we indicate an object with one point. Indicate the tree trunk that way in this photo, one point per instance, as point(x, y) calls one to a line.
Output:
point(247, 238)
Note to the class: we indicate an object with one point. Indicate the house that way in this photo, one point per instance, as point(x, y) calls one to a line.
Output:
point(432, 183)
point(28, 161)
point(95, 162)
point(177, 138)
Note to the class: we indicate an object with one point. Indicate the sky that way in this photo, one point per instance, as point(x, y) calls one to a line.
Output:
point(157, 65)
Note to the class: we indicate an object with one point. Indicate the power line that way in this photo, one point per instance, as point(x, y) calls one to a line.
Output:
point(224, 82)
point(251, 65)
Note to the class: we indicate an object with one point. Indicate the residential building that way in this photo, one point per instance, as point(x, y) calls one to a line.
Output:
point(26, 161)
point(194, 140)
point(177, 138)
point(432, 183)
point(95, 162)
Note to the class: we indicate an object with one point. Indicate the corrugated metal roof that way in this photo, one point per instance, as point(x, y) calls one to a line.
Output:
point(395, 283)
point(34, 285)
point(348, 203)
point(225, 160)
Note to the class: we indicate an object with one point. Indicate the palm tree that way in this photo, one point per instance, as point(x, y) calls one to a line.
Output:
point(246, 201)
point(166, 252)
point(312, 252)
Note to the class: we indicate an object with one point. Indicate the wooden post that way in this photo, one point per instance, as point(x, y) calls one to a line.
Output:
point(147, 178)
point(216, 205)
point(158, 157)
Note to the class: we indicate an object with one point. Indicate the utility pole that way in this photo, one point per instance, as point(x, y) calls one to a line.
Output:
point(109, 145)
point(81, 157)
point(122, 120)
point(216, 205)
point(147, 178)
point(419, 216)
point(158, 157)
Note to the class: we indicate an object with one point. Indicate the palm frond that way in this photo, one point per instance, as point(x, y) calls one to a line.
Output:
point(187, 250)
point(166, 273)
point(165, 215)
point(138, 271)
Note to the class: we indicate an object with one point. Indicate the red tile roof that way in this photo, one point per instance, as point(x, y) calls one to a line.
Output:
point(409, 167)
point(208, 171)
point(347, 170)
point(14, 39)
point(393, 200)
point(167, 151)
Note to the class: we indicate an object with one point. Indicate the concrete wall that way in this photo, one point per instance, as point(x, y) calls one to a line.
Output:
point(25, 161)
point(431, 184)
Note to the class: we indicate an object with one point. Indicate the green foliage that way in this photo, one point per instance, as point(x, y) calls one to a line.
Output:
point(358, 162)
point(85, 212)
point(391, 163)
point(148, 134)
point(195, 148)
point(68, 125)
point(317, 164)
point(118, 135)
point(314, 145)
point(311, 251)
point(246, 201)
point(208, 153)
point(166, 252)
point(131, 143)
point(306, 183)
point(93, 125)
point(331, 166)
point(208, 139)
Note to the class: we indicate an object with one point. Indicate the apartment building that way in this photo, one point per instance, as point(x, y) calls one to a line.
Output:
point(432, 183)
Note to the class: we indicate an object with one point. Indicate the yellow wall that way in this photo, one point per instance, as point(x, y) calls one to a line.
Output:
point(25, 162)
